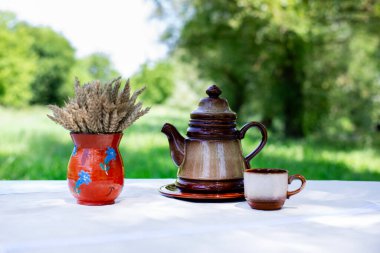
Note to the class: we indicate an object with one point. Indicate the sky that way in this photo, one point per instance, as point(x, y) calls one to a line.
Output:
point(120, 28)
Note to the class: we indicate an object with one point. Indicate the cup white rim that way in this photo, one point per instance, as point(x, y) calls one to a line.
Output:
point(266, 171)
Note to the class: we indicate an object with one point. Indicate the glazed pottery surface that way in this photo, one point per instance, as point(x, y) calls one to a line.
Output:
point(95, 172)
point(172, 191)
point(203, 156)
point(211, 159)
point(267, 189)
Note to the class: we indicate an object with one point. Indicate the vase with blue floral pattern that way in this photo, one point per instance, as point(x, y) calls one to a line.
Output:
point(84, 178)
point(95, 171)
point(110, 155)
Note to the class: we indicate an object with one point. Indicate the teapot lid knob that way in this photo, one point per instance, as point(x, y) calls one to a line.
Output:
point(213, 107)
point(213, 91)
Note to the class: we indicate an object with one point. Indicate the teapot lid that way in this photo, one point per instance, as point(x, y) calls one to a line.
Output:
point(213, 107)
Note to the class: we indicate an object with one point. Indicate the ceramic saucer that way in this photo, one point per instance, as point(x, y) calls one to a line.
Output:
point(172, 191)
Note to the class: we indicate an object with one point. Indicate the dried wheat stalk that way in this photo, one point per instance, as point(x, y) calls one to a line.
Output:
point(98, 108)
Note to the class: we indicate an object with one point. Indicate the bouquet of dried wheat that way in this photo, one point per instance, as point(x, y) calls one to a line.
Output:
point(98, 108)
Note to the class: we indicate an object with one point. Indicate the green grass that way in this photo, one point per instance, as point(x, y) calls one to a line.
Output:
point(33, 147)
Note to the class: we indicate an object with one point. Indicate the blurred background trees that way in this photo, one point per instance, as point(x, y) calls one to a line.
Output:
point(38, 65)
point(159, 78)
point(303, 67)
point(17, 62)
point(54, 57)
point(96, 66)
point(309, 70)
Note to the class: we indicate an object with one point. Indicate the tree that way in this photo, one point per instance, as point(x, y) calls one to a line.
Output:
point(159, 80)
point(55, 57)
point(38, 65)
point(285, 59)
point(17, 62)
point(96, 66)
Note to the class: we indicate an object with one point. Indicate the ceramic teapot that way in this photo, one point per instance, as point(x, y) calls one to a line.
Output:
point(210, 159)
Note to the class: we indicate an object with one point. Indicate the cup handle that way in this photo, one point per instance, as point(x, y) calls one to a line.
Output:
point(264, 138)
point(303, 183)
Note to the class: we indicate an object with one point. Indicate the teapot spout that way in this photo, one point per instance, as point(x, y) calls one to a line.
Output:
point(176, 143)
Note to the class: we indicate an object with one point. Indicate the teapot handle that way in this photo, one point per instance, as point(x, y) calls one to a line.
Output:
point(264, 138)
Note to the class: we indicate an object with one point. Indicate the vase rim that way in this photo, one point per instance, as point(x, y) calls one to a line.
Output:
point(87, 140)
point(76, 133)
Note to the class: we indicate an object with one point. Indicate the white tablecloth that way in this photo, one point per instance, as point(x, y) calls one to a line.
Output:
point(328, 216)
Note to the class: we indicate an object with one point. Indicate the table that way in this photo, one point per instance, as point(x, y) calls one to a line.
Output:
point(328, 216)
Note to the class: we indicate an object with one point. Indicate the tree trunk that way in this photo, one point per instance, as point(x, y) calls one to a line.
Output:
point(267, 121)
point(292, 77)
point(236, 88)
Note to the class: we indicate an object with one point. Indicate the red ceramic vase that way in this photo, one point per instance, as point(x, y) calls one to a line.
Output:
point(95, 172)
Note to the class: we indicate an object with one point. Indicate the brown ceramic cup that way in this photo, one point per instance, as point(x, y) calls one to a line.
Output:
point(267, 189)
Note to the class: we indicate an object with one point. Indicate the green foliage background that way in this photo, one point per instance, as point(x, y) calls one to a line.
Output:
point(159, 80)
point(309, 70)
point(54, 57)
point(17, 62)
point(38, 65)
point(34, 147)
point(303, 67)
